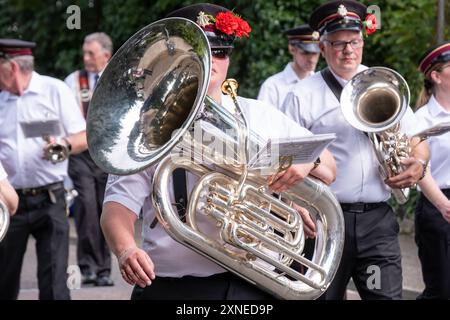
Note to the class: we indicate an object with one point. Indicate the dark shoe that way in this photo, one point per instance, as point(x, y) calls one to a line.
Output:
point(89, 278)
point(103, 281)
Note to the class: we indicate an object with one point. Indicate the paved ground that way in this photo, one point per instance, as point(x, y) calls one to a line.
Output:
point(412, 279)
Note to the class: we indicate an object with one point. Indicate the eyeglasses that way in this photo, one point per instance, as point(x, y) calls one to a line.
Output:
point(221, 53)
point(341, 45)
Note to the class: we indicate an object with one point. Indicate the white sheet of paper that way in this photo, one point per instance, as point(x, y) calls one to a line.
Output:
point(301, 149)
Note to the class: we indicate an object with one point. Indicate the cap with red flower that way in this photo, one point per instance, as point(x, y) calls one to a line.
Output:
point(221, 26)
point(343, 15)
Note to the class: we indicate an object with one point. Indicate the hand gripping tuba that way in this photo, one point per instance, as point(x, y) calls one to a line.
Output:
point(374, 101)
point(145, 111)
point(4, 220)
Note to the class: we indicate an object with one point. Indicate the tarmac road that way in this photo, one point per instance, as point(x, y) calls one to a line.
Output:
point(412, 278)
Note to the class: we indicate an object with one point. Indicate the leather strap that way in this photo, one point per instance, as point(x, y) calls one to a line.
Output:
point(332, 83)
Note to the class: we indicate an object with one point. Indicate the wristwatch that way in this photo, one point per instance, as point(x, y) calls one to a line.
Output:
point(316, 164)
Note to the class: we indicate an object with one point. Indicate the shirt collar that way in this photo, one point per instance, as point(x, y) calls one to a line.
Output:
point(435, 108)
point(35, 84)
point(289, 74)
point(33, 87)
point(342, 81)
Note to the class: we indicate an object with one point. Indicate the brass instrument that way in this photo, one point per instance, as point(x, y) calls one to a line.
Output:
point(4, 220)
point(55, 152)
point(145, 111)
point(374, 101)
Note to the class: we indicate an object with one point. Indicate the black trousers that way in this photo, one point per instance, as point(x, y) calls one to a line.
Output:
point(223, 286)
point(89, 180)
point(48, 224)
point(371, 256)
point(433, 241)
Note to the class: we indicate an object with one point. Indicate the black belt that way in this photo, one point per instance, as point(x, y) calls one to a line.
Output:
point(39, 190)
point(359, 207)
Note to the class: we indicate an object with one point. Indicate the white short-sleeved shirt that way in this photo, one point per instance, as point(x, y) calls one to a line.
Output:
point(312, 104)
point(430, 115)
point(172, 259)
point(45, 98)
point(275, 88)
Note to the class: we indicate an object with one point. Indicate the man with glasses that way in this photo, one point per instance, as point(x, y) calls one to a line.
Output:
point(305, 54)
point(165, 269)
point(371, 250)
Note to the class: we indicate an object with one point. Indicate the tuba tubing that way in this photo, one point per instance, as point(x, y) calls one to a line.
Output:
point(311, 194)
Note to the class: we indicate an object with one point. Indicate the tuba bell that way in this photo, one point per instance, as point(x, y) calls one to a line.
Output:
point(374, 101)
point(145, 111)
point(4, 220)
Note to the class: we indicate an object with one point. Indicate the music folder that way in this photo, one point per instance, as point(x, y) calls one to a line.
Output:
point(297, 150)
point(41, 128)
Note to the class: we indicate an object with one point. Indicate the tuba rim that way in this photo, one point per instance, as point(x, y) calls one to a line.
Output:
point(104, 117)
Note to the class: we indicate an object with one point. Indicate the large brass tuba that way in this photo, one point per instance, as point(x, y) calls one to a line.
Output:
point(4, 220)
point(145, 110)
point(374, 101)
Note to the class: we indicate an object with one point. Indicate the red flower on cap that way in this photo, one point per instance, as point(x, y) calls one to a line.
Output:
point(370, 24)
point(230, 24)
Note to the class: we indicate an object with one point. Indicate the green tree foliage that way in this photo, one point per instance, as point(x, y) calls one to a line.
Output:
point(407, 30)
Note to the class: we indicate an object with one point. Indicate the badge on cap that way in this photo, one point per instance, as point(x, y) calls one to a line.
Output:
point(315, 35)
point(203, 19)
point(342, 11)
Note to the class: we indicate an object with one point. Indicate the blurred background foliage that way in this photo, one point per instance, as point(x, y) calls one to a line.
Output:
point(408, 28)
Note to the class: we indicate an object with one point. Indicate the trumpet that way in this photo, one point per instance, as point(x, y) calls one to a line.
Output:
point(56, 151)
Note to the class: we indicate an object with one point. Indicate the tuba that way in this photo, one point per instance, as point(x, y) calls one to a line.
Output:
point(374, 101)
point(145, 111)
point(4, 220)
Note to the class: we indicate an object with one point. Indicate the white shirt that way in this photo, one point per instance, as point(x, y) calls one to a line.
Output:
point(45, 98)
point(172, 259)
point(312, 104)
point(72, 80)
point(3, 174)
point(430, 115)
point(275, 88)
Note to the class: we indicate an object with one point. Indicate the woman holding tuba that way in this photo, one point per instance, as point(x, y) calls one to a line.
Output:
point(163, 268)
point(433, 208)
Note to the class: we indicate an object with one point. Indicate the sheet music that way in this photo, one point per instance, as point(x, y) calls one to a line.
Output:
point(41, 128)
point(300, 150)
point(436, 130)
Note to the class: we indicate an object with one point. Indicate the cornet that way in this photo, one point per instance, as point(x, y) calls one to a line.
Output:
point(374, 101)
point(57, 151)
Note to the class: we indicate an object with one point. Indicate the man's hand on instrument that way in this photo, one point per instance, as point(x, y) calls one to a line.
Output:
point(412, 172)
point(136, 267)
